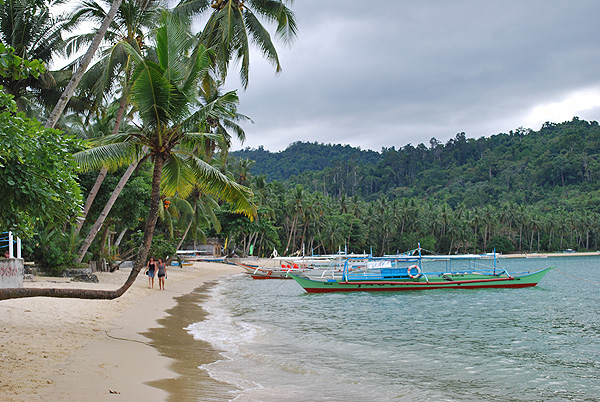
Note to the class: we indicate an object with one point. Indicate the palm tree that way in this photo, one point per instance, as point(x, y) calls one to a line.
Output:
point(201, 215)
point(163, 90)
point(210, 91)
point(133, 19)
point(83, 65)
point(234, 24)
point(131, 22)
point(296, 206)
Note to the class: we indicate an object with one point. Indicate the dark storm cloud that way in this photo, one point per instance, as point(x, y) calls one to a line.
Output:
point(375, 74)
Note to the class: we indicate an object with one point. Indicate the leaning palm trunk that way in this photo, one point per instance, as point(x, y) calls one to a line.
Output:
point(98, 224)
point(159, 162)
point(85, 62)
point(90, 199)
point(121, 235)
point(187, 229)
point(15, 293)
point(287, 247)
point(102, 175)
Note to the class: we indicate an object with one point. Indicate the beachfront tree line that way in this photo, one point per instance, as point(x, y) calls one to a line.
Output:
point(307, 222)
point(171, 116)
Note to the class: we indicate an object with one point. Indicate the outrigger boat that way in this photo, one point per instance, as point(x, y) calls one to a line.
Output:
point(297, 267)
point(197, 255)
point(257, 272)
point(412, 277)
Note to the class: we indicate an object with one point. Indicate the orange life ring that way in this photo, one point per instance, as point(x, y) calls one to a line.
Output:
point(411, 268)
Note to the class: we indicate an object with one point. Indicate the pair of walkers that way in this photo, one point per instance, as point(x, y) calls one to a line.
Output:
point(156, 267)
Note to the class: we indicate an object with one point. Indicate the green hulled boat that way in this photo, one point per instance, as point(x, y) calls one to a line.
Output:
point(413, 278)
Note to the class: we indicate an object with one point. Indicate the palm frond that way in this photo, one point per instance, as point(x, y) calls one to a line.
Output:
point(180, 207)
point(222, 107)
point(177, 177)
point(278, 12)
point(151, 92)
point(207, 206)
point(172, 42)
point(191, 7)
point(202, 60)
point(237, 129)
point(212, 181)
point(262, 39)
point(111, 156)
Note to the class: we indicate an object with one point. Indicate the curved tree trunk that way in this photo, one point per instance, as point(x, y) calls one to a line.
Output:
point(90, 199)
point(102, 175)
point(287, 247)
point(159, 162)
point(185, 234)
point(15, 293)
point(85, 62)
point(111, 201)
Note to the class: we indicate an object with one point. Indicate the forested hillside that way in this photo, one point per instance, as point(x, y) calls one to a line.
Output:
point(303, 156)
point(557, 165)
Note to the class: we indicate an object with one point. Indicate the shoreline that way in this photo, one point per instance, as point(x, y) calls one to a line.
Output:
point(71, 349)
point(173, 341)
point(550, 255)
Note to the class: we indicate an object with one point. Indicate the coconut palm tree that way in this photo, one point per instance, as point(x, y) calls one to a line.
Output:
point(82, 67)
point(133, 19)
point(234, 24)
point(210, 91)
point(201, 215)
point(218, 122)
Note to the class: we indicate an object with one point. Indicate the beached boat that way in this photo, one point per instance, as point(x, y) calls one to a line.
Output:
point(257, 272)
point(281, 272)
point(413, 277)
point(210, 259)
point(280, 267)
point(198, 255)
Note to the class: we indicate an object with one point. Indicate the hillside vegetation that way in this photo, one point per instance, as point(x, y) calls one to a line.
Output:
point(557, 165)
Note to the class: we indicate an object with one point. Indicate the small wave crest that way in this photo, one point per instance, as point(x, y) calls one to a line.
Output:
point(228, 336)
point(220, 328)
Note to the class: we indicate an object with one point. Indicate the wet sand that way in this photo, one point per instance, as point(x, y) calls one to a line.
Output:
point(174, 342)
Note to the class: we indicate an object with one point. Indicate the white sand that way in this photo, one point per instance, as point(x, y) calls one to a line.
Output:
point(79, 350)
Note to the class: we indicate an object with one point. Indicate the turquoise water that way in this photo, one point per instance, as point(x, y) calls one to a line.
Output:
point(279, 343)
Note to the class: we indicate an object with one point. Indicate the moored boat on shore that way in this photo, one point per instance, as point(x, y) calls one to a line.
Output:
point(279, 267)
point(413, 277)
point(257, 272)
point(400, 282)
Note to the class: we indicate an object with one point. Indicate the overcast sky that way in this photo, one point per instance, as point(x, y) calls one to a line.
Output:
point(376, 74)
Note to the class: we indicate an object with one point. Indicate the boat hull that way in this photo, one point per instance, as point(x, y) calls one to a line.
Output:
point(453, 281)
point(266, 273)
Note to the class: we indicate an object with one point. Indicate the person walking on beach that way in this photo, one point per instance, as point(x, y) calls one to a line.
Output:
point(162, 274)
point(150, 269)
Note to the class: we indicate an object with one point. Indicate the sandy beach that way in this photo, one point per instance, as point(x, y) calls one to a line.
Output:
point(97, 350)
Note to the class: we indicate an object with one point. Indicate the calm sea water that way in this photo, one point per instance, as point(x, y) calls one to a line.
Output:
point(279, 343)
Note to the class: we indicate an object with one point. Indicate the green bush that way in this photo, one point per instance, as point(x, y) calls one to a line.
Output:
point(502, 244)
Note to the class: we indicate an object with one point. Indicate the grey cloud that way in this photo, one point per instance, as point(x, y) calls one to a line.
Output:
point(393, 73)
